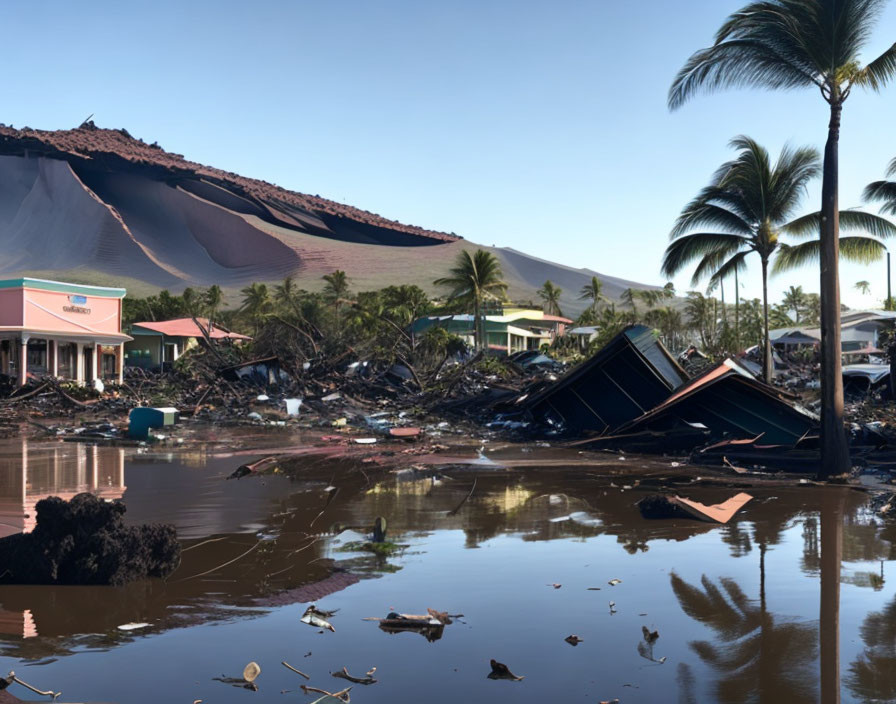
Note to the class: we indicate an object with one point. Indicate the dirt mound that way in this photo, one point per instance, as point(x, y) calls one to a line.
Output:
point(85, 541)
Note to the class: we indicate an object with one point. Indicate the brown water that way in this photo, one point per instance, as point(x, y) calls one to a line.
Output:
point(736, 607)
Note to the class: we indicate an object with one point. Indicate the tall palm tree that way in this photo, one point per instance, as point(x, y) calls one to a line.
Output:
point(550, 296)
point(336, 289)
point(473, 279)
point(746, 207)
point(593, 291)
point(795, 299)
point(256, 303)
point(863, 287)
point(213, 297)
point(781, 44)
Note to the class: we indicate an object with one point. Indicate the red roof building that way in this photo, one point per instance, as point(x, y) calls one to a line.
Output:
point(158, 342)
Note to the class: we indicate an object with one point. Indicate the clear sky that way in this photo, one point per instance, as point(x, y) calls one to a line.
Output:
point(540, 126)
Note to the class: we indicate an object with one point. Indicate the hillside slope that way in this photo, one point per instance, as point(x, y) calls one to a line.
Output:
point(98, 206)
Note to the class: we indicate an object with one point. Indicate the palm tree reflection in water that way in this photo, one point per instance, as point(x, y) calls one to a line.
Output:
point(758, 658)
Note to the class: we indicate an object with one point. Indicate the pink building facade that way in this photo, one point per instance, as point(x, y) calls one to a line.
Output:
point(51, 328)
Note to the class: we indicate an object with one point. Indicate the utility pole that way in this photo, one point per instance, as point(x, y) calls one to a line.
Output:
point(889, 305)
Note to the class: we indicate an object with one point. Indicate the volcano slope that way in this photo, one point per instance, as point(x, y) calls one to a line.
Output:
point(99, 206)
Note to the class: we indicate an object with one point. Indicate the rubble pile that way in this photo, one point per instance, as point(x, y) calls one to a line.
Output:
point(85, 541)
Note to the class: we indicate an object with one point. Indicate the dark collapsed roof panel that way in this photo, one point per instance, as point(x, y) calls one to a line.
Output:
point(629, 376)
point(732, 407)
point(646, 343)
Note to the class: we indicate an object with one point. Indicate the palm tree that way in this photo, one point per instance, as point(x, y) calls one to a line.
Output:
point(285, 294)
point(702, 318)
point(782, 44)
point(213, 297)
point(256, 303)
point(863, 287)
point(475, 278)
point(746, 208)
point(794, 299)
point(336, 290)
point(593, 291)
point(629, 296)
point(550, 296)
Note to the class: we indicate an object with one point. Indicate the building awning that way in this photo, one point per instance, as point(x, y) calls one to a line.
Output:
point(15, 331)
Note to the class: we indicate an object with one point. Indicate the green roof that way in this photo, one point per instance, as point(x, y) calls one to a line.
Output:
point(62, 287)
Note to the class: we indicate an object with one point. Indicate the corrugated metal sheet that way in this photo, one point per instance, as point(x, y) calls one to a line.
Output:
point(625, 379)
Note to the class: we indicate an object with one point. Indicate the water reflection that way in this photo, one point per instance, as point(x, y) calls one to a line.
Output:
point(31, 472)
point(872, 676)
point(758, 656)
point(491, 541)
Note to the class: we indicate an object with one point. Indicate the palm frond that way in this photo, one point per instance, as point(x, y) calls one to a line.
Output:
point(850, 221)
point(869, 223)
point(879, 72)
point(860, 250)
point(885, 191)
point(736, 263)
point(795, 168)
point(699, 213)
point(687, 248)
point(735, 63)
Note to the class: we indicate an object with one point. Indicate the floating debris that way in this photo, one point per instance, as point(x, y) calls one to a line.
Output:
point(500, 671)
point(316, 618)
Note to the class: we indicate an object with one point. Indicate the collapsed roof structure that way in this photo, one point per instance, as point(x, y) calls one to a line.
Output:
point(633, 393)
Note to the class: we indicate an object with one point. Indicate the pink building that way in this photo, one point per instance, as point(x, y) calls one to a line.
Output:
point(59, 329)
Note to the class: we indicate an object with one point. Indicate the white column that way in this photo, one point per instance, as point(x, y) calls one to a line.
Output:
point(79, 361)
point(54, 361)
point(23, 361)
point(97, 361)
point(121, 363)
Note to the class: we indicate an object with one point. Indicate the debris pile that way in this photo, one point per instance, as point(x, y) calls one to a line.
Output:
point(85, 541)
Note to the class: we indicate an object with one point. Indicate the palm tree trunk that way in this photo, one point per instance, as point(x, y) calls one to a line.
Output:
point(736, 311)
point(477, 339)
point(834, 448)
point(767, 362)
point(724, 311)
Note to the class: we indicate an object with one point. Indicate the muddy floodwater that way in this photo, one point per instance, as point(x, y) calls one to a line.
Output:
point(528, 555)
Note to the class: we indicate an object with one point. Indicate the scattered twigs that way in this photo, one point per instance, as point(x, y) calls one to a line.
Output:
point(229, 562)
point(20, 397)
point(48, 693)
point(343, 674)
point(464, 500)
point(298, 672)
point(202, 398)
point(342, 694)
point(326, 506)
point(204, 542)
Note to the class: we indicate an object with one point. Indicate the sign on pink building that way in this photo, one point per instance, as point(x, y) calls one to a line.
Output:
point(60, 329)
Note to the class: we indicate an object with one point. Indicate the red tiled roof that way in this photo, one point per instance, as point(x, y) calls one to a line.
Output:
point(185, 327)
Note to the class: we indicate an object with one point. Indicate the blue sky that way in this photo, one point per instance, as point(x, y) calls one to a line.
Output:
point(541, 126)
